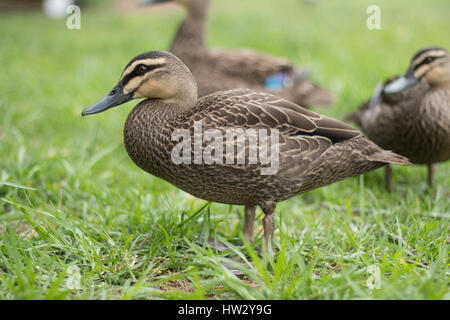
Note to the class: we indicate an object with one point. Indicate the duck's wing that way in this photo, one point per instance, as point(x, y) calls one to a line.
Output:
point(248, 65)
point(307, 140)
point(310, 146)
point(303, 135)
point(246, 108)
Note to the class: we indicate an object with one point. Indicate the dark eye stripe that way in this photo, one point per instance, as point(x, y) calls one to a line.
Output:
point(136, 73)
point(426, 60)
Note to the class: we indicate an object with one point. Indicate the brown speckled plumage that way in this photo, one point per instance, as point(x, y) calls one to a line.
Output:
point(314, 150)
point(306, 162)
point(218, 69)
point(414, 122)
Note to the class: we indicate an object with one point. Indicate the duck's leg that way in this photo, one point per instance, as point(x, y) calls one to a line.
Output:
point(388, 175)
point(249, 222)
point(431, 167)
point(268, 222)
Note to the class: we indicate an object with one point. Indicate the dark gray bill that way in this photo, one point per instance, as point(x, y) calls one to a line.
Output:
point(114, 98)
point(400, 84)
point(408, 80)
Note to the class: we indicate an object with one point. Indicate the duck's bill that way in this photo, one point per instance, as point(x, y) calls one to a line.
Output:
point(150, 2)
point(114, 98)
point(400, 84)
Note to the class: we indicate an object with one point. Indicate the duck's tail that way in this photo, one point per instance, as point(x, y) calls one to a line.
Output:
point(387, 156)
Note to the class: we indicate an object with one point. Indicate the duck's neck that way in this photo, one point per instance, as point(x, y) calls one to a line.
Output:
point(439, 78)
point(148, 131)
point(157, 113)
point(440, 86)
point(445, 81)
point(191, 35)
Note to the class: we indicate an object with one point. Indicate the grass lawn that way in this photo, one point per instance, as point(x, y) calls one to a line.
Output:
point(73, 206)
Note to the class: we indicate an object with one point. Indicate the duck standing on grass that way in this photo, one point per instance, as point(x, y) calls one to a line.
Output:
point(410, 115)
point(219, 69)
point(313, 150)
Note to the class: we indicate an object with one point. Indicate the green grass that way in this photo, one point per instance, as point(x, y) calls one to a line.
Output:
point(71, 198)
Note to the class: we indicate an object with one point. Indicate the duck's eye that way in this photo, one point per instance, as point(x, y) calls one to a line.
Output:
point(141, 68)
point(429, 59)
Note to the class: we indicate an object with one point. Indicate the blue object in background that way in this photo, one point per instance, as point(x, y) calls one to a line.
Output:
point(277, 81)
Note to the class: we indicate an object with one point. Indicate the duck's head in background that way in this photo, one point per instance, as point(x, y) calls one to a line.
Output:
point(429, 65)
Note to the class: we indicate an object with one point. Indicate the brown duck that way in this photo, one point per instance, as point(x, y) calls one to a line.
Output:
point(218, 69)
point(411, 114)
point(313, 150)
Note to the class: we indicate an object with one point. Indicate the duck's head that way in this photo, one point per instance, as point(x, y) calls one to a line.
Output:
point(155, 75)
point(430, 65)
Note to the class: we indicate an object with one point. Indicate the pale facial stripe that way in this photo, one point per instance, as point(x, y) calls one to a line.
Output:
point(133, 84)
point(421, 67)
point(431, 53)
point(132, 81)
point(147, 62)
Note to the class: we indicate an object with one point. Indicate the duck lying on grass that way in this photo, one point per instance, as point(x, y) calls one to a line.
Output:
point(219, 69)
point(310, 150)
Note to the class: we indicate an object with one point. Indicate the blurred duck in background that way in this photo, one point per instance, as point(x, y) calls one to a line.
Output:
point(410, 115)
point(219, 69)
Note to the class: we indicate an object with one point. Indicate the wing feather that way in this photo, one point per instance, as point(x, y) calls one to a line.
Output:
point(247, 108)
